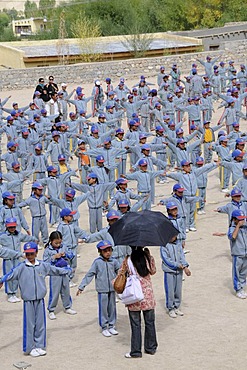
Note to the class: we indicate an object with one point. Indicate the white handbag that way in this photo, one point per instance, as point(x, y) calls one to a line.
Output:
point(133, 291)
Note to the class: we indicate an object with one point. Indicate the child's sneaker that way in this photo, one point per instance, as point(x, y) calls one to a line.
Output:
point(72, 284)
point(200, 212)
point(106, 333)
point(52, 316)
point(34, 353)
point(241, 294)
point(113, 331)
point(69, 311)
point(41, 351)
point(172, 314)
point(192, 229)
point(178, 312)
point(11, 299)
point(16, 298)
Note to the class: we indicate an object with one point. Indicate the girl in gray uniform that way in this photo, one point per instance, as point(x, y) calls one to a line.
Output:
point(31, 279)
point(56, 254)
point(104, 269)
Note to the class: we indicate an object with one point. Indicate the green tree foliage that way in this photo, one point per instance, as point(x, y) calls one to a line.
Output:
point(31, 9)
point(4, 21)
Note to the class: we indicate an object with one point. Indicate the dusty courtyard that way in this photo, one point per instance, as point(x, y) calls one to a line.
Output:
point(211, 335)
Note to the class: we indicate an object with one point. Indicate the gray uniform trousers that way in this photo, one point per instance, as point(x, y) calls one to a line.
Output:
point(11, 286)
point(39, 225)
point(59, 285)
point(190, 205)
point(239, 272)
point(34, 325)
point(95, 219)
point(208, 153)
point(202, 196)
point(54, 214)
point(173, 289)
point(107, 310)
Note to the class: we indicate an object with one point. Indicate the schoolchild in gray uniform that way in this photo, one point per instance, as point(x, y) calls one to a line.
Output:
point(177, 221)
point(208, 138)
point(9, 209)
point(55, 148)
point(177, 198)
point(143, 178)
point(10, 129)
point(36, 203)
point(236, 203)
point(208, 64)
point(24, 144)
point(104, 269)
point(30, 275)
point(71, 202)
point(38, 163)
point(122, 193)
point(222, 73)
point(124, 206)
point(182, 150)
point(6, 186)
point(223, 151)
point(94, 140)
point(16, 174)
point(121, 142)
point(56, 254)
point(237, 234)
point(80, 103)
point(162, 152)
point(70, 233)
point(236, 165)
point(95, 200)
point(11, 155)
point(12, 239)
point(188, 178)
point(55, 184)
point(173, 265)
point(242, 183)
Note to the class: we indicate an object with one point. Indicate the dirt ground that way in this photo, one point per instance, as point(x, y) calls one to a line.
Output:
point(211, 335)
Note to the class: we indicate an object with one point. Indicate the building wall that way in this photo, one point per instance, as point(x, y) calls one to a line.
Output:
point(11, 57)
point(88, 72)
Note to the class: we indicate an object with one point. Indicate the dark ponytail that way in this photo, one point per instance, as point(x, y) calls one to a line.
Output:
point(140, 260)
point(54, 235)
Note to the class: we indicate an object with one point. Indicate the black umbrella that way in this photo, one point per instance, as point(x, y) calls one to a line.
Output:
point(145, 228)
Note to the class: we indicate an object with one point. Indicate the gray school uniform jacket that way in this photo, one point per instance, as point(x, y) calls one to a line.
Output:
point(95, 142)
point(56, 184)
point(23, 145)
point(10, 157)
point(54, 149)
point(9, 254)
point(104, 272)
point(31, 278)
point(238, 245)
point(183, 154)
point(242, 185)
point(49, 252)
point(6, 212)
point(232, 206)
point(36, 205)
point(143, 179)
point(6, 186)
point(73, 205)
point(18, 176)
point(96, 197)
point(110, 154)
point(236, 169)
point(178, 223)
point(101, 172)
point(71, 233)
point(128, 194)
point(13, 240)
point(38, 163)
point(172, 256)
point(180, 202)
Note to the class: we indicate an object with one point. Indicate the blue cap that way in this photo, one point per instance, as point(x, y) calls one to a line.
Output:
point(55, 133)
point(61, 157)
point(108, 79)
point(159, 128)
point(169, 96)
point(109, 106)
point(235, 192)
point(70, 192)
point(43, 111)
point(178, 187)
point(193, 127)
point(230, 100)
point(181, 141)
point(92, 175)
point(237, 153)
point(100, 158)
point(103, 244)
point(101, 115)
point(132, 122)
point(142, 135)
point(146, 147)
point(121, 181)
point(82, 111)
point(237, 213)
point(1, 175)
point(11, 144)
point(123, 203)
point(235, 124)
point(216, 67)
point(72, 114)
point(119, 131)
point(134, 115)
point(179, 131)
point(171, 205)
point(240, 140)
point(199, 160)
point(157, 104)
point(8, 195)
point(171, 123)
point(107, 140)
point(13, 112)
point(205, 122)
point(25, 130)
point(30, 122)
point(111, 215)
point(184, 162)
point(67, 212)
point(15, 164)
point(61, 262)
point(51, 169)
point(37, 185)
point(9, 118)
point(38, 147)
point(142, 162)
point(11, 221)
point(30, 247)
point(223, 138)
point(94, 129)
point(36, 115)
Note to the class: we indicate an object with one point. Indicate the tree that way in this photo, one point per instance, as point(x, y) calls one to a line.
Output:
point(87, 30)
point(30, 9)
point(4, 21)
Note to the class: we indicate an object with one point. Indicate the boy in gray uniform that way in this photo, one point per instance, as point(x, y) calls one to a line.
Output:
point(30, 275)
point(104, 269)
point(237, 234)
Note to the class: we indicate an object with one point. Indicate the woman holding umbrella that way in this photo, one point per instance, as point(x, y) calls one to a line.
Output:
point(144, 265)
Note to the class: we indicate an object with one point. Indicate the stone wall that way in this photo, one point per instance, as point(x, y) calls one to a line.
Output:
point(88, 72)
